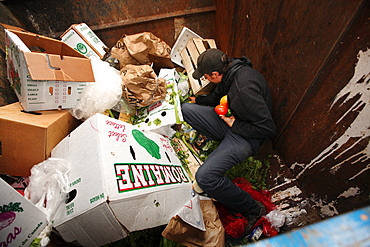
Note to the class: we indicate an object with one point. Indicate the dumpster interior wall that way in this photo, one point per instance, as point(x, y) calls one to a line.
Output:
point(314, 54)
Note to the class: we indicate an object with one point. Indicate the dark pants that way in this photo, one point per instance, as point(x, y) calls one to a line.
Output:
point(232, 150)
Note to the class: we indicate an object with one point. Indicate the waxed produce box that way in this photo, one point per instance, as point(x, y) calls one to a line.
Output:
point(46, 73)
point(121, 180)
point(20, 220)
point(84, 40)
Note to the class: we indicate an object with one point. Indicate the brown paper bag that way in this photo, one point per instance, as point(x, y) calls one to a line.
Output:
point(214, 236)
point(119, 51)
point(146, 48)
point(141, 86)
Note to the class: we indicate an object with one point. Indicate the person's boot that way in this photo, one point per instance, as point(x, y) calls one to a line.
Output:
point(253, 218)
point(251, 221)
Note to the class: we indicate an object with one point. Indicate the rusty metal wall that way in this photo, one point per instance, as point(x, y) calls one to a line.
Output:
point(111, 19)
point(7, 94)
point(315, 55)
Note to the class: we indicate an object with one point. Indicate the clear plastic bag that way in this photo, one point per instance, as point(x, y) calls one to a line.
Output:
point(100, 95)
point(125, 109)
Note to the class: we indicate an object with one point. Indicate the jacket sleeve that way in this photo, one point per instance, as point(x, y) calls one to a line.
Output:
point(211, 99)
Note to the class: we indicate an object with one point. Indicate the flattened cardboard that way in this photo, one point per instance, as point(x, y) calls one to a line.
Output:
point(133, 178)
point(27, 139)
point(23, 223)
point(45, 73)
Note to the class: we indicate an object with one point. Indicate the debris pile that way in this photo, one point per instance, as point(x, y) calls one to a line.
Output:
point(117, 146)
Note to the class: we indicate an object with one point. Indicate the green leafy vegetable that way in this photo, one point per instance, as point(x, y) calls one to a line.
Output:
point(157, 121)
point(254, 170)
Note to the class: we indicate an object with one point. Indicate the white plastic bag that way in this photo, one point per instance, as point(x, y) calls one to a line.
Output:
point(183, 84)
point(47, 190)
point(276, 218)
point(100, 95)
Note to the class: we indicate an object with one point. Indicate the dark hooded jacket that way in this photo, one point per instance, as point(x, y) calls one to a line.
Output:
point(249, 98)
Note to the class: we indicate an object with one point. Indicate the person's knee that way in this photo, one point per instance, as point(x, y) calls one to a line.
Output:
point(205, 180)
point(185, 107)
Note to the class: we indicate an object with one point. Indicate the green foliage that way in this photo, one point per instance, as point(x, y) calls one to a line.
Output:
point(182, 157)
point(146, 238)
point(169, 243)
point(139, 117)
point(254, 170)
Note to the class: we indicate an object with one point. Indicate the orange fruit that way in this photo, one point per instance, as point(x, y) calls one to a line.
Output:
point(223, 101)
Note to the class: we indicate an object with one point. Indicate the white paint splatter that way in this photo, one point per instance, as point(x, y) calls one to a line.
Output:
point(290, 193)
point(292, 215)
point(292, 167)
point(350, 192)
point(360, 128)
point(327, 209)
point(360, 172)
point(283, 206)
point(286, 181)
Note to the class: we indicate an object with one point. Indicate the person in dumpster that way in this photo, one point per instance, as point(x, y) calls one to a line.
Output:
point(241, 135)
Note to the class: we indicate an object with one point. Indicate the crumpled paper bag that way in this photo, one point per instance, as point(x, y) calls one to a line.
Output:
point(161, 116)
point(196, 224)
point(141, 86)
point(146, 48)
point(120, 51)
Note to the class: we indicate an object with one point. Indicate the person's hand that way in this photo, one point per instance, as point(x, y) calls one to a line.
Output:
point(228, 120)
point(192, 99)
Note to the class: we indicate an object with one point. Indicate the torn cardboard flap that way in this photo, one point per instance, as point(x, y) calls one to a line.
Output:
point(54, 67)
point(14, 28)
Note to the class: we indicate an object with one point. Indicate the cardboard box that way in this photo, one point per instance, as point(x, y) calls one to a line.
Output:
point(46, 73)
point(162, 115)
point(27, 139)
point(20, 221)
point(121, 180)
point(189, 56)
point(84, 40)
